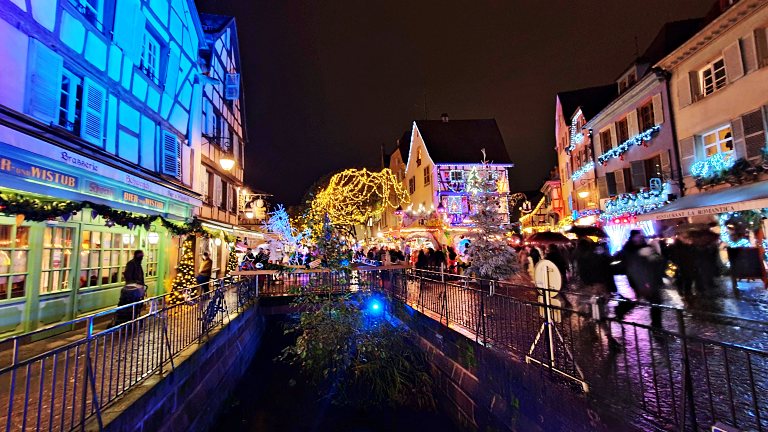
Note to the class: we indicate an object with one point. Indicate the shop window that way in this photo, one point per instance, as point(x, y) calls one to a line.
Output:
point(718, 141)
point(151, 258)
point(103, 256)
point(14, 252)
point(57, 259)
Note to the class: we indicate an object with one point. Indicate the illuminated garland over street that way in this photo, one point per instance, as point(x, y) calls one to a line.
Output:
point(584, 213)
point(39, 210)
point(636, 203)
point(354, 196)
point(583, 170)
point(626, 145)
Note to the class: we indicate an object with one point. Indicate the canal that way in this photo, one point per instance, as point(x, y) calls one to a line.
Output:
point(272, 397)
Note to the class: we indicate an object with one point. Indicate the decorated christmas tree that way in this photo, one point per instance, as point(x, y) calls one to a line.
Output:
point(185, 272)
point(489, 254)
point(231, 262)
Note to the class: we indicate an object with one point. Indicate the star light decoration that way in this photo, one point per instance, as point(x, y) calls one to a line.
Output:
point(624, 147)
point(354, 196)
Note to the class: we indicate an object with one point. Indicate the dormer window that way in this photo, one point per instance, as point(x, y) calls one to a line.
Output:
point(418, 158)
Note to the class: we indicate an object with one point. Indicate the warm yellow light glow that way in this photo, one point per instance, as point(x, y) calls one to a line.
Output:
point(355, 196)
point(583, 194)
point(226, 163)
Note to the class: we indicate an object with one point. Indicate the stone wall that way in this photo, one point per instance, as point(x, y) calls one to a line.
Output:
point(189, 398)
point(490, 390)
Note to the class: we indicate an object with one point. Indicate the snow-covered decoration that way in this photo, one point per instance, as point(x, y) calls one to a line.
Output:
point(579, 173)
point(712, 165)
point(636, 203)
point(624, 147)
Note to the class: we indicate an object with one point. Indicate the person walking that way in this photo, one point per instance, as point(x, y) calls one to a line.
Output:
point(133, 291)
point(554, 255)
point(644, 267)
point(204, 276)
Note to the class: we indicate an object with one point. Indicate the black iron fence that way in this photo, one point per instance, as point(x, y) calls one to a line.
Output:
point(61, 382)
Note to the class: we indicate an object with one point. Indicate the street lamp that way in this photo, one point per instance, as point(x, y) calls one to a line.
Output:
point(227, 163)
point(583, 194)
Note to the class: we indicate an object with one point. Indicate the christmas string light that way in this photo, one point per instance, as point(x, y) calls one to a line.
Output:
point(626, 145)
point(636, 203)
point(583, 170)
point(711, 166)
point(355, 196)
point(185, 273)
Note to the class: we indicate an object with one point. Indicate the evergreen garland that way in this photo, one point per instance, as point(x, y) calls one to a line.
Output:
point(231, 262)
point(39, 210)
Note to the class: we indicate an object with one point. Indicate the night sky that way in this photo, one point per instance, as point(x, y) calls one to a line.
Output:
point(328, 82)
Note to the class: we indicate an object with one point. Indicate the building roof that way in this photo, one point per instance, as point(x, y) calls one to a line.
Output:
point(213, 23)
point(671, 36)
point(460, 141)
point(591, 100)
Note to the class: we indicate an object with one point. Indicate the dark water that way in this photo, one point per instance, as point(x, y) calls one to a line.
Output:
point(273, 397)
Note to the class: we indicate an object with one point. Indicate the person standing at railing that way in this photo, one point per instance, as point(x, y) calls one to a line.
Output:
point(204, 276)
point(133, 291)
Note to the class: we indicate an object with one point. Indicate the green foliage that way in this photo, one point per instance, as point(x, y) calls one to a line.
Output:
point(354, 359)
point(489, 254)
point(185, 272)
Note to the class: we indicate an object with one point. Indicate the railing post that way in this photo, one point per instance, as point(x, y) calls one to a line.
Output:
point(89, 378)
point(687, 388)
point(14, 360)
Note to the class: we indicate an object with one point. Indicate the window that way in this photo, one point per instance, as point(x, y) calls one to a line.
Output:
point(605, 141)
point(14, 250)
point(713, 77)
point(92, 10)
point(205, 185)
point(418, 158)
point(718, 141)
point(622, 131)
point(70, 101)
point(427, 175)
point(653, 169)
point(457, 175)
point(225, 195)
point(412, 185)
point(645, 116)
point(610, 180)
point(631, 79)
point(150, 57)
point(103, 256)
point(57, 262)
point(151, 255)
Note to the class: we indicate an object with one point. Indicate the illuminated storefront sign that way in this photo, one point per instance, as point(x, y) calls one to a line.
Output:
point(39, 173)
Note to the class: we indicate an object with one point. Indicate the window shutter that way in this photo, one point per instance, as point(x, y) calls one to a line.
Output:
point(637, 168)
point(619, 176)
point(754, 134)
point(632, 126)
point(602, 187)
point(734, 68)
point(171, 155)
point(761, 46)
point(92, 117)
point(658, 109)
point(139, 27)
point(687, 154)
point(666, 165)
point(614, 143)
point(597, 143)
point(172, 70)
point(44, 86)
point(750, 53)
point(684, 91)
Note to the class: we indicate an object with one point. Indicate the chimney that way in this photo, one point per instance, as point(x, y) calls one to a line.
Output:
point(444, 117)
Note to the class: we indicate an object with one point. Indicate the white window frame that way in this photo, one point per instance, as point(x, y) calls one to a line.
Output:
point(718, 142)
point(150, 56)
point(70, 112)
point(95, 7)
point(712, 69)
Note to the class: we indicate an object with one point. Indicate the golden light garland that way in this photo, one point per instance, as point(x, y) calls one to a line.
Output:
point(524, 219)
point(355, 196)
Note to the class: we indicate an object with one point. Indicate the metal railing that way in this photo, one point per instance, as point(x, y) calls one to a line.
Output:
point(655, 376)
point(99, 357)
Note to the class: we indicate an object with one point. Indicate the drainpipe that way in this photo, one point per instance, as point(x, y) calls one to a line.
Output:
point(665, 75)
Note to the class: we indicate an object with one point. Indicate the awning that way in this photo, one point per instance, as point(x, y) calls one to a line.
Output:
point(747, 197)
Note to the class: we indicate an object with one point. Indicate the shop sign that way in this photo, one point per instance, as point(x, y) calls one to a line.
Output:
point(95, 189)
point(30, 171)
point(143, 201)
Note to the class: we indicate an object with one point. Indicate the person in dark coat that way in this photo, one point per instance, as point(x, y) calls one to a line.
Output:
point(534, 253)
point(554, 255)
point(421, 260)
point(644, 268)
point(133, 273)
point(133, 291)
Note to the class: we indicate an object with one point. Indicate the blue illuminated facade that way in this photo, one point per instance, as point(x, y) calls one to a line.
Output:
point(100, 102)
